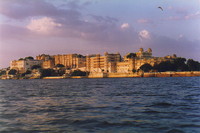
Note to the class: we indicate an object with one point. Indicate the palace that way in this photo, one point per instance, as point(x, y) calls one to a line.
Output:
point(24, 65)
point(96, 63)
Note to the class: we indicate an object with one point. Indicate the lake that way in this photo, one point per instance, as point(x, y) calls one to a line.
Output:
point(108, 105)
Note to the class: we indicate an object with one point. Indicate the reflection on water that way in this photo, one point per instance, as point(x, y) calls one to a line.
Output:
point(148, 105)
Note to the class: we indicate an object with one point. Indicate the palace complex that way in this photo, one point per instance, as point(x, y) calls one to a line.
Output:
point(107, 63)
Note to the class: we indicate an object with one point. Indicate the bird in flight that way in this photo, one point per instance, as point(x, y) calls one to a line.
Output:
point(160, 8)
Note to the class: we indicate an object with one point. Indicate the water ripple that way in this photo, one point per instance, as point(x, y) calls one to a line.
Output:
point(118, 105)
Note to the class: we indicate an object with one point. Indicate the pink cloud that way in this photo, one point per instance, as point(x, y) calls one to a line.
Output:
point(193, 16)
point(8, 32)
point(125, 26)
point(185, 17)
point(45, 25)
point(144, 34)
point(144, 21)
point(22, 9)
point(174, 18)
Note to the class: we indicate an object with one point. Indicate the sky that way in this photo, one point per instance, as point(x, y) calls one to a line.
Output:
point(33, 27)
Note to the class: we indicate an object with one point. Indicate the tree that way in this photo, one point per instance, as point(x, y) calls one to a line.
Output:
point(131, 55)
point(47, 72)
point(134, 70)
point(165, 66)
point(146, 67)
point(27, 72)
point(180, 65)
point(78, 73)
point(29, 58)
point(60, 65)
point(193, 65)
point(80, 56)
point(35, 67)
point(2, 72)
point(12, 72)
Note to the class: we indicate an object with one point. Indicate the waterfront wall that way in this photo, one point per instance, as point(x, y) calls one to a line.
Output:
point(97, 75)
point(149, 74)
point(172, 74)
point(54, 77)
point(121, 75)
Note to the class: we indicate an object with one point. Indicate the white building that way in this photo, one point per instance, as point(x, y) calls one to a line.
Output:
point(24, 65)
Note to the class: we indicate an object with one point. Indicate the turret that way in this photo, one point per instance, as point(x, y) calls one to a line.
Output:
point(149, 50)
point(106, 53)
point(141, 50)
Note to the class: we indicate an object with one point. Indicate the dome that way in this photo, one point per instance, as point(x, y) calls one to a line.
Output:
point(149, 50)
point(141, 50)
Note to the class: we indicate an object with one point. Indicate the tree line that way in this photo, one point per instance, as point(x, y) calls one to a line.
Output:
point(178, 64)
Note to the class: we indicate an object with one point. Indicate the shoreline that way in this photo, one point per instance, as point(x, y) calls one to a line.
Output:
point(121, 75)
point(132, 75)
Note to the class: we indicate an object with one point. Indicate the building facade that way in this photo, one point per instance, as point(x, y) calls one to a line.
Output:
point(47, 61)
point(24, 65)
point(70, 61)
point(141, 57)
point(106, 63)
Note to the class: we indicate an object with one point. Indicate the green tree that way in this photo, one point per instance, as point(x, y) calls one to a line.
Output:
point(60, 65)
point(165, 66)
point(193, 65)
point(12, 72)
point(47, 72)
point(29, 58)
point(180, 64)
point(35, 67)
point(2, 72)
point(80, 56)
point(78, 73)
point(27, 72)
point(21, 59)
point(146, 67)
point(131, 55)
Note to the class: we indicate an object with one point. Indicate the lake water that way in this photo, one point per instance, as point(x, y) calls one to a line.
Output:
point(110, 105)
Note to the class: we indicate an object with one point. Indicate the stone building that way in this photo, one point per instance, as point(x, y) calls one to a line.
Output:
point(144, 54)
point(126, 66)
point(106, 63)
point(47, 61)
point(141, 57)
point(70, 61)
point(24, 64)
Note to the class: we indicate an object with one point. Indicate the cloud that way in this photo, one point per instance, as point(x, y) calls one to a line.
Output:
point(76, 4)
point(144, 21)
point(181, 46)
point(182, 13)
point(193, 16)
point(96, 33)
point(22, 9)
point(8, 32)
point(144, 34)
point(180, 36)
point(125, 26)
point(179, 10)
point(185, 17)
point(106, 19)
point(45, 25)
point(174, 18)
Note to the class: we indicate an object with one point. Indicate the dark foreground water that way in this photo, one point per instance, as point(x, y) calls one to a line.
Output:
point(115, 105)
